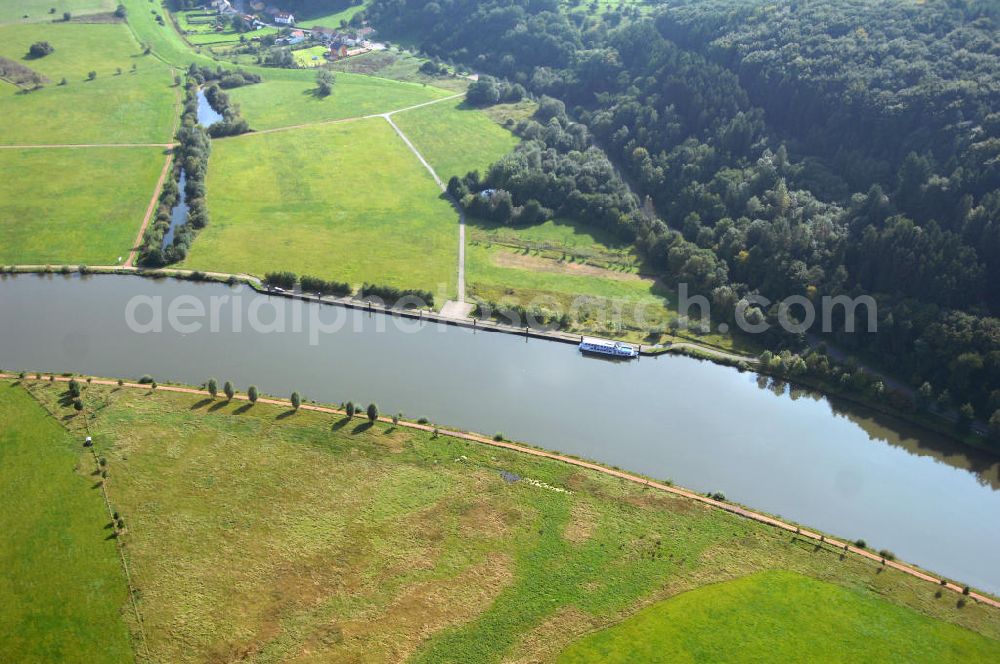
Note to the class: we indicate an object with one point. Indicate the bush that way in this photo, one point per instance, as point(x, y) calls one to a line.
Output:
point(323, 287)
point(252, 394)
point(296, 400)
point(391, 295)
point(40, 49)
point(860, 543)
point(146, 379)
point(887, 554)
point(372, 413)
point(285, 280)
point(350, 409)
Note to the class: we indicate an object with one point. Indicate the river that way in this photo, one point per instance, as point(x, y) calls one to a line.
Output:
point(206, 114)
point(840, 468)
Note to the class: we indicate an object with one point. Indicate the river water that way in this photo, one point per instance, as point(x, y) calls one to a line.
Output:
point(836, 467)
point(178, 216)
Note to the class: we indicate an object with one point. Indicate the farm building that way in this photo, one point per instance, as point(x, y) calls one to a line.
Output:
point(284, 18)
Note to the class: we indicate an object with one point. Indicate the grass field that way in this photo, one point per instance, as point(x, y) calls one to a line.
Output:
point(780, 616)
point(343, 201)
point(261, 534)
point(567, 266)
point(131, 108)
point(79, 49)
point(70, 206)
point(62, 589)
point(14, 11)
point(331, 20)
point(399, 66)
point(134, 106)
point(310, 57)
point(454, 138)
point(287, 97)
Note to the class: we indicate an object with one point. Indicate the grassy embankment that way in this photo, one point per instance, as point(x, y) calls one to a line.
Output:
point(258, 532)
point(348, 202)
point(62, 590)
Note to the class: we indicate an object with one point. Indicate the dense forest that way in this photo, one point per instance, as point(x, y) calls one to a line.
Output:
point(784, 148)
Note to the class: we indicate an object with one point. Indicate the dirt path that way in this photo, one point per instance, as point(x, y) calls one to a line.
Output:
point(130, 261)
point(628, 477)
point(444, 190)
point(322, 123)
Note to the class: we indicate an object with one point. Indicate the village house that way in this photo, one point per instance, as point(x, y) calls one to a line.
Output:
point(284, 18)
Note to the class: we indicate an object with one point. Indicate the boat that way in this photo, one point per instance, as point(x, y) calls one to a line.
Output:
point(608, 347)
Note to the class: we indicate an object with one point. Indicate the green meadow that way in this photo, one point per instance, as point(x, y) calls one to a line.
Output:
point(343, 201)
point(37, 11)
point(455, 138)
point(79, 49)
point(299, 535)
point(333, 19)
point(287, 97)
point(71, 206)
point(62, 591)
point(779, 616)
point(131, 108)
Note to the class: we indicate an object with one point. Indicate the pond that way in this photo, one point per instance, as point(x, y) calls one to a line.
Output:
point(206, 114)
point(847, 470)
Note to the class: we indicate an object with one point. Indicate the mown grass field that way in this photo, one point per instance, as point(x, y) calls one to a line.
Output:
point(259, 533)
point(287, 97)
point(132, 107)
point(79, 49)
point(398, 65)
point(780, 616)
point(71, 206)
point(62, 590)
point(37, 11)
point(455, 138)
point(344, 201)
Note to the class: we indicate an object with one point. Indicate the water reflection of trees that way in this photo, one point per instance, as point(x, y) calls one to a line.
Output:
point(883, 428)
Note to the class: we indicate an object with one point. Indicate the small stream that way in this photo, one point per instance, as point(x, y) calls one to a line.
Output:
point(178, 216)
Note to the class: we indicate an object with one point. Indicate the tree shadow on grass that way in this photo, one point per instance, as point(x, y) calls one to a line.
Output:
point(285, 415)
point(242, 409)
point(341, 423)
point(364, 426)
point(218, 406)
point(201, 404)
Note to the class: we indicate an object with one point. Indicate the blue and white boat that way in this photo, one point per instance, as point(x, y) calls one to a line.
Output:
point(610, 348)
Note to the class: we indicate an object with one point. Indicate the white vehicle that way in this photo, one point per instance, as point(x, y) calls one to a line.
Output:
point(607, 347)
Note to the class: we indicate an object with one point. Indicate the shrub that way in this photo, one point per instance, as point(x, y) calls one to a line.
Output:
point(146, 379)
point(40, 49)
point(229, 391)
point(213, 387)
point(77, 405)
point(121, 382)
point(392, 295)
point(860, 543)
point(966, 590)
point(372, 413)
point(284, 280)
point(887, 554)
point(252, 394)
point(296, 400)
point(423, 420)
point(74, 388)
point(498, 436)
point(350, 409)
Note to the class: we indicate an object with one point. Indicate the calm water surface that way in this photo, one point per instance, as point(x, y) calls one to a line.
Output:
point(206, 114)
point(178, 216)
point(790, 452)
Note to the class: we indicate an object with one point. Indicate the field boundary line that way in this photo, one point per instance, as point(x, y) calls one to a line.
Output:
point(111, 515)
point(68, 146)
point(734, 509)
point(444, 190)
point(354, 118)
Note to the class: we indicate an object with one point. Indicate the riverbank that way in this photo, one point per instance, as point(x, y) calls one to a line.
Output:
point(688, 348)
point(261, 529)
point(499, 442)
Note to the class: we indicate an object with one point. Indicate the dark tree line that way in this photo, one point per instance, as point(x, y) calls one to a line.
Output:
point(807, 148)
point(190, 156)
